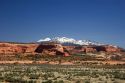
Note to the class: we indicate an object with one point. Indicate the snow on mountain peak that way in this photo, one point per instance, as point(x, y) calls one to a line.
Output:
point(43, 40)
point(63, 40)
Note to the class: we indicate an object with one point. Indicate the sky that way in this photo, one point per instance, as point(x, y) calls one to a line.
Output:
point(30, 20)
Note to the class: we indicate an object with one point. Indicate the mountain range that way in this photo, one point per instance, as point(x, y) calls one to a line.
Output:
point(71, 41)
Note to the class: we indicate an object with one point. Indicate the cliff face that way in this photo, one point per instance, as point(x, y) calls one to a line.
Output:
point(92, 49)
point(8, 48)
point(53, 49)
point(112, 49)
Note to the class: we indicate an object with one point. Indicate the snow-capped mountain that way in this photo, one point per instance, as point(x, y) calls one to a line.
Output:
point(65, 40)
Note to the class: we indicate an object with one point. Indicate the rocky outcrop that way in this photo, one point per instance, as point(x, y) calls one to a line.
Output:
point(29, 48)
point(80, 49)
point(8, 48)
point(52, 49)
point(112, 49)
point(92, 49)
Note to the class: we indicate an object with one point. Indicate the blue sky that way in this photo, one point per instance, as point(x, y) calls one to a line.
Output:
point(31, 20)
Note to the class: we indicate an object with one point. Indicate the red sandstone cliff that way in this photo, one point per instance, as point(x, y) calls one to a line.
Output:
point(53, 49)
point(8, 48)
point(92, 49)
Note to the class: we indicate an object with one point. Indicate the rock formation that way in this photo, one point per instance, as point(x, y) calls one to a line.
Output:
point(92, 49)
point(52, 49)
point(8, 48)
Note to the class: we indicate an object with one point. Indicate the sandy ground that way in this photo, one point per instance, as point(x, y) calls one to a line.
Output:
point(63, 63)
point(105, 62)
